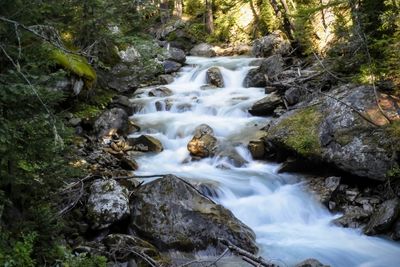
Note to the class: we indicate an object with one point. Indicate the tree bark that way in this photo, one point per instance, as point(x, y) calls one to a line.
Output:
point(178, 6)
point(209, 17)
point(164, 11)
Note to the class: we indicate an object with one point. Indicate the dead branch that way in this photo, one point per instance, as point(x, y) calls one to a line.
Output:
point(246, 256)
point(211, 262)
point(139, 176)
point(326, 69)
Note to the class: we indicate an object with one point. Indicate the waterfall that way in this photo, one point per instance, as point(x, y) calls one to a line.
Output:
point(289, 223)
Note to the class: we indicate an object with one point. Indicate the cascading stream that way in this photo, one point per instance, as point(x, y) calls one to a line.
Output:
point(289, 223)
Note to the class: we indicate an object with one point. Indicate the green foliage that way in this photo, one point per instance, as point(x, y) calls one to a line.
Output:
point(92, 107)
point(81, 260)
point(301, 131)
point(19, 253)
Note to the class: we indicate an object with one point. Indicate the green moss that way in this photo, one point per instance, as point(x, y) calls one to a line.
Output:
point(75, 64)
point(93, 107)
point(393, 133)
point(301, 132)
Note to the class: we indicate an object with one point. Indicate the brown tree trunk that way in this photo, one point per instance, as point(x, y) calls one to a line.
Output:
point(178, 8)
point(209, 17)
point(256, 19)
point(287, 26)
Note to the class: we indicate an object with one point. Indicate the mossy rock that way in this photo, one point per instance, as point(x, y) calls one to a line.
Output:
point(76, 64)
point(299, 132)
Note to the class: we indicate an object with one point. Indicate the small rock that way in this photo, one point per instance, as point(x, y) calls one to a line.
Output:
point(160, 92)
point(111, 121)
point(383, 217)
point(171, 66)
point(214, 77)
point(146, 143)
point(257, 149)
point(203, 143)
point(311, 263)
point(108, 203)
point(122, 102)
point(166, 78)
point(293, 95)
point(266, 106)
point(129, 164)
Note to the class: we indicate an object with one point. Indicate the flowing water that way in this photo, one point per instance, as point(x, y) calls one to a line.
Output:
point(289, 223)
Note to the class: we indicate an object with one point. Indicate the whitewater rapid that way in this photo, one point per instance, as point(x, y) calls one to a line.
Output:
point(290, 225)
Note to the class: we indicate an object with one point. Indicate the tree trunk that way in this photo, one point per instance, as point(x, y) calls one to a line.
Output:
point(209, 17)
point(178, 8)
point(256, 19)
point(164, 11)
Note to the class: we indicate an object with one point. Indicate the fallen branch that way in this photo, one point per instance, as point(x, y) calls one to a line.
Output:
point(247, 256)
point(211, 262)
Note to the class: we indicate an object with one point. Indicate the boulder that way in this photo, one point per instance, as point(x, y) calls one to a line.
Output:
point(128, 163)
point(254, 78)
point(122, 102)
point(232, 156)
point(176, 54)
point(329, 131)
point(203, 50)
point(160, 92)
point(145, 143)
point(268, 70)
point(171, 66)
point(311, 263)
point(203, 143)
point(267, 105)
point(324, 188)
point(271, 44)
point(166, 78)
point(214, 77)
point(112, 121)
point(108, 203)
point(172, 214)
point(383, 218)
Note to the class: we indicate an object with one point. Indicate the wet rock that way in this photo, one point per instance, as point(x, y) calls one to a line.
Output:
point(166, 78)
point(203, 50)
point(324, 188)
point(129, 164)
point(203, 143)
point(108, 203)
point(171, 66)
point(160, 92)
point(165, 104)
point(145, 143)
point(266, 106)
point(383, 217)
point(111, 121)
point(232, 156)
point(354, 217)
point(172, 214)
point(257, 149)
point(271, 44)
point(176, 54)
point(396, 230)
point(122, 102)
point(214, 77)
point(311, 263)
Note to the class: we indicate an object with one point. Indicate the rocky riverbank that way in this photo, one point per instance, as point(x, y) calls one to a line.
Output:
point(317, 122)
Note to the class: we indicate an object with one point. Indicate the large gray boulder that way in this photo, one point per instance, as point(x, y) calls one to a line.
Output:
point(176, 54)
point(214, 77)
point(203, 144)
point(328, 130)
point(172, 214)
point(112, 121)
point(108, 203)
point(267, 71)
point(271, 44)
point(203, 50)
point(266, 105)
point(384, 217)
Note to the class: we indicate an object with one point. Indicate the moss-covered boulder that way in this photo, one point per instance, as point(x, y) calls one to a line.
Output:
point(328, 130)
point(172, 214)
